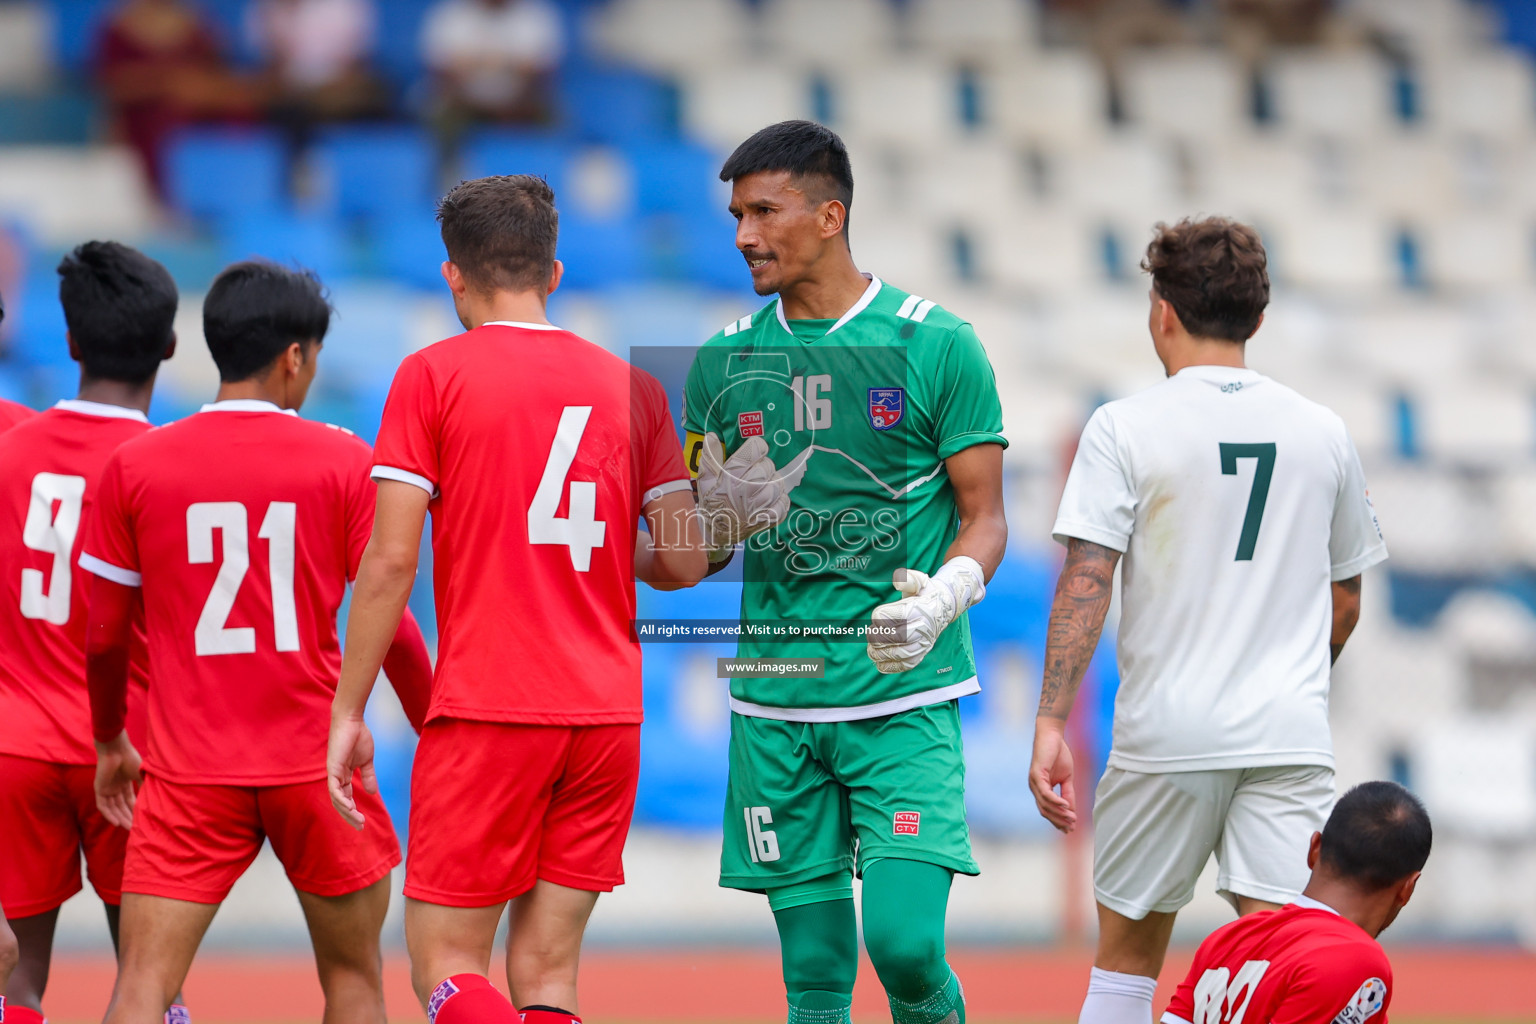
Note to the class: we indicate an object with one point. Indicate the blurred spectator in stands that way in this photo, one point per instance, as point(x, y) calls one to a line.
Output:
point(1251, 28)
point(317, 59)
point(159, 65)
point(491, 61)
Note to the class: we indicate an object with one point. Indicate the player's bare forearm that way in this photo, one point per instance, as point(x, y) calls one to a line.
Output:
point(109, 628)
point(408, 667)
point(1346, 613)
point(1083, 593)
point(976, 473)
point(384, 579)
point(671, 556)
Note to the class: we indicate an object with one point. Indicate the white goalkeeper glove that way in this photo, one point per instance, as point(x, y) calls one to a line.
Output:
point(928, 604)
point(743, 494)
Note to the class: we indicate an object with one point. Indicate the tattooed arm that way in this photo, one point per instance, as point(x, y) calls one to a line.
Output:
point(1077, 618)
point(1346, 613)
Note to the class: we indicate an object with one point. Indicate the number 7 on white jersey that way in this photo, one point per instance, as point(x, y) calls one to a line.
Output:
point(580, 531)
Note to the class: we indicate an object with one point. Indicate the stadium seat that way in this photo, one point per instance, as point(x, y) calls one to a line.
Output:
point(367, 338)
point(25, 32)
point(1127, 176)
point(1186, 93)
point(1478, 422)
point(834, 35)
point(373, 171)
point(1036, 252)
point(1477, 776)
point(1487, 93)
point(1408, 177)
point(975, 179)
point(1346, 94)
point(913, 254)
point(408, 247)
point(1341, 251)
point(1428, 29)
point(1051, 97)
point(1256, 178)
point(615, 105)
point(676, 177)
point(1515, 496)
point(671, 36)
point(397, 52)
point(1418, 344)
point(988, 31)
point(723, 104)
point(1433, 520)
point(314, 243)
point(215, 173)
point(602, 252)
point(1479, 252)
point(508, 151)
point(913, 102)
point(64, 194)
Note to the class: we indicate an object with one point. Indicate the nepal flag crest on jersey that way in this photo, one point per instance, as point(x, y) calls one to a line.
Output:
point(886, 407)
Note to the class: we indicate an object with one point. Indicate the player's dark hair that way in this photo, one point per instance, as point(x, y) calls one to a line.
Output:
point(120, 307)
point(501, 231)
point(1377, 835)
point(806, 150)
point(1214, 273)
point(255, 310)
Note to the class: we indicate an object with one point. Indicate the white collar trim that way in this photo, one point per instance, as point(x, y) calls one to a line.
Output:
point(1311, 904)
point(115, 412)
point(520, 324)
point(853, 311)
point(246, 405)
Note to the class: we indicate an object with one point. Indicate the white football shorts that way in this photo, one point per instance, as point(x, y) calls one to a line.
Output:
point(1153, 833)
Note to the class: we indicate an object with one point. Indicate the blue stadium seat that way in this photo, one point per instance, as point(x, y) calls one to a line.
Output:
point(373, 171)
point(505, 151)
point(599, 253)
point(215, 173)
point(676, 177)
point(600, 104)
point(408, 246)
point(315, 243)
point(398, 53)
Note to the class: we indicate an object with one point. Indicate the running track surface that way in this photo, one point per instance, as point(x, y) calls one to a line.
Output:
point(1466, 984)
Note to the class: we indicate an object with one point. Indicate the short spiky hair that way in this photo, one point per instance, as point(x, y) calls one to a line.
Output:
point(120, 307)
point(254, 310)
point(803, 148)
point(501, 231)
point(1377, 835)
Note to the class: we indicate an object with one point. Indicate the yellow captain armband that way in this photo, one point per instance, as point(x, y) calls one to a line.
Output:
point(693, 447)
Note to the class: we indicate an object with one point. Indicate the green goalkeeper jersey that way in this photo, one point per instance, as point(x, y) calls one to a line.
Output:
point(875, 402)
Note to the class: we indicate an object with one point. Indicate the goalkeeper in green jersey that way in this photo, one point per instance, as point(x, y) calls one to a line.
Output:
point(849, 433)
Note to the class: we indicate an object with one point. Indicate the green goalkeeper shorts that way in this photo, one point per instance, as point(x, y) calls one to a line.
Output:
point(804, 796)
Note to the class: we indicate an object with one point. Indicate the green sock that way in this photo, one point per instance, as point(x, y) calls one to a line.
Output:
point(946, 1006)
point(819, 945)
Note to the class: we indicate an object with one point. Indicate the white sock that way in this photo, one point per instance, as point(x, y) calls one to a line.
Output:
point(1115, 998)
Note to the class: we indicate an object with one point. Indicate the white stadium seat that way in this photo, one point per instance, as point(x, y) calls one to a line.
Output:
point(912, 102)
point(1037, 252)
point(1051, 97)
point(1126, 176)
point(975, 179)
point(832, 35)
point(1346, 94)
point(1432, 520)
point(722, 105)
point(1256, 177)
point(1515, 496)
point(65, 194)
point(26, 45)
point(1477, 775)
point(1478, 252)
point(1427, 28)
point(1484, 422)
point(1342, 251)
point(1186, 93)
point(984, 30)
point(1489, 93)
point(1406, 177)
point(672, 36)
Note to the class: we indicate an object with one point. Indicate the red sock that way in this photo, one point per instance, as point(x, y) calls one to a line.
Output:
point(539, 1015)
point(468, 999)
point(22, 1015)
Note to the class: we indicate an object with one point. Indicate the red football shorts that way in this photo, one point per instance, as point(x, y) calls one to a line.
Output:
point(193, 842)
point(48, 816)
point(496, 806)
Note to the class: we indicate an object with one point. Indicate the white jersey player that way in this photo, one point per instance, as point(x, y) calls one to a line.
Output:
point(1241, 513)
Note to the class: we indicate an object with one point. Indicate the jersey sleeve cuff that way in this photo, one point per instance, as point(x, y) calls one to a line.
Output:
point(404, 476)
point(107, 571)
point(1355, 566)
point(666, 488)
point(960, 442)
point(1066, 530)
point(1169, 1017)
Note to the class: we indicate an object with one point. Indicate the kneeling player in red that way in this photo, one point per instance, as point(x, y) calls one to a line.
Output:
point(1316, 959)
point(120, 307)
point(238, 529)
point(524, 781)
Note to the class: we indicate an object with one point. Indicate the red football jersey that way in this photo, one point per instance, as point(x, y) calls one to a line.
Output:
point(540, 449)
point(12, 413)
point(50, 465)
point(1301, 964)
point(242, 524)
